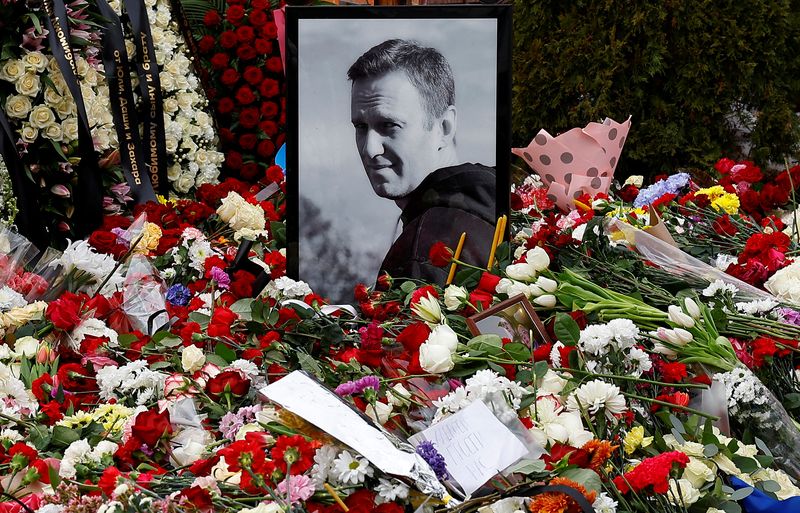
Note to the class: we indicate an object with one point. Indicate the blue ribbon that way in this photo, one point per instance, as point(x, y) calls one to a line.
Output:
point(759, 502)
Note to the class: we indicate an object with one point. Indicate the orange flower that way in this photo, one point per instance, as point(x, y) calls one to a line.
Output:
point(556, 502)
point(599, 452)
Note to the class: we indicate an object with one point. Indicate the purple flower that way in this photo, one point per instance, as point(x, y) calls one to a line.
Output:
point(179, 295)
point(789, 316)
point(221, 277)
point(358, 386)
point(670, 185)
point(433, 458)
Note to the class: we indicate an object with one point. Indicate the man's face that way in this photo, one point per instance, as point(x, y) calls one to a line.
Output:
point(397, 151)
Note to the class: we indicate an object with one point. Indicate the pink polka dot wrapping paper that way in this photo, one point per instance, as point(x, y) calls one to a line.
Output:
point(581, 160)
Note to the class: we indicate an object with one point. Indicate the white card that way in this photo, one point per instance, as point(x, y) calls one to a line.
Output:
point(315, 403)
point(475, 444)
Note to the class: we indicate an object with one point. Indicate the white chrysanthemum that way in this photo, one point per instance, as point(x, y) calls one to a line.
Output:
point(286, 288)
point(625, 332)
point(604, 504)
point(94, 328)
point(348, 469)
point(199, 250)
point(10, 298)
point(639, 361)
point(133, 380)
point(13, 392)
point(77, 452)
point(323, 463)
point(389, 491)
point(597, 394)
point(757, 306)
point(595, 339)
point(80, 255)
point(720, 287)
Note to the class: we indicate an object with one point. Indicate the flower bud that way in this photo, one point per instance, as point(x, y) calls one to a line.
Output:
point(676, 316)
point(684, 337)
point(454, 297)
point(545, 300)
point(546, 284)
point(692, 308)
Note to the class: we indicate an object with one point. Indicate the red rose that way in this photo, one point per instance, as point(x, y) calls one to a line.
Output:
point(249, 117)
point(205, 44)
point(233, 159)
point(480, 297)
point(274, 64)
point(212, 18)
point(259, 5)
point(629, 193)
point(275, 174)
point(270, 31)
point(746, 172)
point(220, 60)
point(245, 34)
point(488, 282)
point(263, 47)
point(413, 336)
point(227, 382)
point(266, 149)
point(253, 75)
point(235, 14)
point(258, 18)
point(229, 77)
point(242, 284)
point(248, 141)
point(269, 109)
point(439, 254)
point(270, 128)
point(246, 52)
point(421, 292)
point(103, 241)
point(64, 311)
point(150, 426)
point(249, 171)
point(269, 88)
point(245, 96)
point(724, 165)
point(227, 40)
point(225, 106)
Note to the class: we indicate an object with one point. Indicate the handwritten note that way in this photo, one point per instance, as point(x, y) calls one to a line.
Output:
point(475, 445)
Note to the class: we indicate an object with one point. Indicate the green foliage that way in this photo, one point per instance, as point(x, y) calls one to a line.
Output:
point(679, 67)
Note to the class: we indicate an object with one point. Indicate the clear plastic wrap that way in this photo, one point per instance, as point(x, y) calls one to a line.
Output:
point(144, 296)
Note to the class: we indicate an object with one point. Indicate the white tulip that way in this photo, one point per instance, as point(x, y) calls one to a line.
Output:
point(546, 300)
point(676, 315)
point(546, 284)
point(538, 258)
point(521, 272)
point(692, 309)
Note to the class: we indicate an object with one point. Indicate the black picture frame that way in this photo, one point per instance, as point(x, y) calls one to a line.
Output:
point(502, 14)
point(510, 307)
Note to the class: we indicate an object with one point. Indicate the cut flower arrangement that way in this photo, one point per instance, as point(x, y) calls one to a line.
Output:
point(132, 363)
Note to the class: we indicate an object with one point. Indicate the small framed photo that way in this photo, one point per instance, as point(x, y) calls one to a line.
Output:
point(514, 319)
point(399, 137)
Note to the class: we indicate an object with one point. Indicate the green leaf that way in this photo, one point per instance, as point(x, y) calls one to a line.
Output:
point(763, 447)
point(243, 308)
point(170, 341)
point(216, 360)
point(518, 352)
point(490, 343)
point(39, 436)
point(526, 467)
point(64, 436)
point(678, 436)
point(770, 486)
point(586, 477)
point(408, 287)
point(309, 364)
point(225, 352)
point(731, 507)
point(540, 369)
point(746, 465)
point(708, 433)
point(677, 424)
point(741, 493)
point(160, 365)
point(126, 339)
point(199, 318)
point(526, 401)
point(710, 450)
point(566, 329)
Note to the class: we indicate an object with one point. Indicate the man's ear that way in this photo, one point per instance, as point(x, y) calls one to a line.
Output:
point(447, 126)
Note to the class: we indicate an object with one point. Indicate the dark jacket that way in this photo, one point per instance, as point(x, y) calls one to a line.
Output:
point(449, 201)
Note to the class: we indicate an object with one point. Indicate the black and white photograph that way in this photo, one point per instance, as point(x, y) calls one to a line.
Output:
point(401, 140)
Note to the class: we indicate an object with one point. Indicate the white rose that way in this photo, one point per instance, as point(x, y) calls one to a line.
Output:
point(69, 129)
point(188, 445)
point(379, 412)
point(66, 107)
point(184, 182)
point(51, 97)
point(54, 132)
point(18, 106)
point(443, 335)
point(785, 283)
point(29, 133)
point(550, 384)
point(229, 206)
point(26, 346)
point(170, 105)
point(11, 70)
point(173, 172)
point(398, 395)
point(698, 473)
point(435, 359)
point(41, 116)
point(454, 297)
point(682, 493)
point(192, 358)
point(538, 259)
point(29, 85)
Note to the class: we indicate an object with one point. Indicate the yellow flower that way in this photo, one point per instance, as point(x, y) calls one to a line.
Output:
point(112, 416)
point(635, 439)
point(712, 192)
point(79, 419)
point(728, 202)
point(151, 234)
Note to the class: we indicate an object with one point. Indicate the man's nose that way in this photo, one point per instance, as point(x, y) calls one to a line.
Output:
point(373, 144)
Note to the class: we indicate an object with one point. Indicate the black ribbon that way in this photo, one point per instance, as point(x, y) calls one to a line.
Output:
point(88, 193)
point(29, 219)
point(123, 106)
point(150, 89)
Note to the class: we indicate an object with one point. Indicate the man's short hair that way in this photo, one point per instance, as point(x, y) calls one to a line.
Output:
point(426, 68)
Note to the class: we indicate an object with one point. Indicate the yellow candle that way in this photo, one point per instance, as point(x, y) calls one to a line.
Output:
point(494, 243)
point(456, 256)
point(336, 497)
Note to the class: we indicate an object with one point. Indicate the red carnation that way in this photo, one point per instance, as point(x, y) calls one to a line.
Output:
point(265, 148)
point(221, 321)
point(64, 311)
point(274, 64)
point(724, 226)
point(246, 52)
point(249, 117)
point(205, 44)
point(673, 372)
point(274, 174)
point(652, 472)
point(212, 18)
point(294, 451)
point(150, 426)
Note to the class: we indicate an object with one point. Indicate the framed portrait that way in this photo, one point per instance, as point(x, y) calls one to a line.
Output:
point(514, 319)
point(399, 136)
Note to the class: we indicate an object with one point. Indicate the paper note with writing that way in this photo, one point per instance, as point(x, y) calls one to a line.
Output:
point(475, 445)
point(305, 397)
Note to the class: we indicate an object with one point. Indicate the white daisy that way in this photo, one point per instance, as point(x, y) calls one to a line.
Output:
point(351, 470)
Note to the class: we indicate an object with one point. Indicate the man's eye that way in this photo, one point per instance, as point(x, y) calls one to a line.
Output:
point(360, 126)
point(388, 125)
